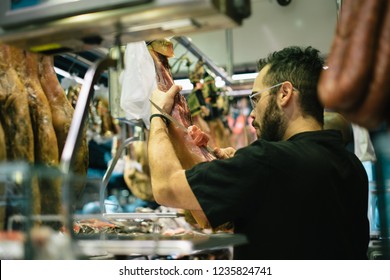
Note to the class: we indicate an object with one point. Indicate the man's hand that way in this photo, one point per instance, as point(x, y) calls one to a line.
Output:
point(224, 153)
point(164, 99)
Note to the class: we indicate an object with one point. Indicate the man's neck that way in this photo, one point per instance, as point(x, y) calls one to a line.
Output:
point(301, 124)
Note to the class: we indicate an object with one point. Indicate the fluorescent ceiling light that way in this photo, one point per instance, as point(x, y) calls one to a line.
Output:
point(219, 82)
point(65, 74)
point(242, 92)
point(245, 76)
point(187, 85)
point(184, 83)
point(167, 25)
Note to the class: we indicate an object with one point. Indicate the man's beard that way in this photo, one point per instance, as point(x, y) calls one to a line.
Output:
point(273, 125)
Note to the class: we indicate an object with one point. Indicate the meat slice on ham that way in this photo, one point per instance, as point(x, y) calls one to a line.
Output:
point(200, 138)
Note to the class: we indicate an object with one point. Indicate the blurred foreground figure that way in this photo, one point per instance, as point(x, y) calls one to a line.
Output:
point(356, 81)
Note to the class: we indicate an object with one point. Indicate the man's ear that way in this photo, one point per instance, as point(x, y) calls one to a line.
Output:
point(286, 93)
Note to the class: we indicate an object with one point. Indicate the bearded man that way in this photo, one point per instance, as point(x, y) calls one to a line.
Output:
point(296, 192)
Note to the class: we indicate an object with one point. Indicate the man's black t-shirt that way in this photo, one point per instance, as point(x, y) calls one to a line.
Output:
point(304, 198)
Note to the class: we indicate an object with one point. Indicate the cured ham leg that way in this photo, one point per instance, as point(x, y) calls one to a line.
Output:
point(188, 152)
point(45, 140)
point(39, 102)
point(46, 146)
point(62, 113)
point(15, 118)
point(15, 112)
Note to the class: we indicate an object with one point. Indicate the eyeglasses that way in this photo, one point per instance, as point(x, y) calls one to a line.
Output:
point(253, 102)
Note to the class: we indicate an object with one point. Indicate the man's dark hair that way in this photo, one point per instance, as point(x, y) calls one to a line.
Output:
point(302, 67)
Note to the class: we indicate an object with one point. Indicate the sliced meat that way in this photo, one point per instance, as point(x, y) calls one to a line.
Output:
point(200, 138)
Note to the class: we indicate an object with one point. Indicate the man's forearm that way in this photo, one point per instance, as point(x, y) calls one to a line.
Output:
point(169, 182)
point(163, 160)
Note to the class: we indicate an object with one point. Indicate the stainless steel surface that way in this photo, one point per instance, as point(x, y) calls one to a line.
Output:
point(46, 29)
point(43, 10)
point(229, 50)
point(135, 247)
point(41, 218)
point(167, 246)
point(107, 175)
point(126, 216)
point(76, 131)
point(80, 113)
point(114, 84)
point(185, 42)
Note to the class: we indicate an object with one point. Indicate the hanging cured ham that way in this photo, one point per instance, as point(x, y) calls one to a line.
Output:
point(187, 150)
point(35, 117)
point(62, 112)
point(15, 119)
point(45, 140)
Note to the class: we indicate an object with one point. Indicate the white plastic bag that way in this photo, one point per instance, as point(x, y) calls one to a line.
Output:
point(364, 149)
point(138, 82)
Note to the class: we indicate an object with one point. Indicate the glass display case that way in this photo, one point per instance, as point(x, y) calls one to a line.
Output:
point(41, 219)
